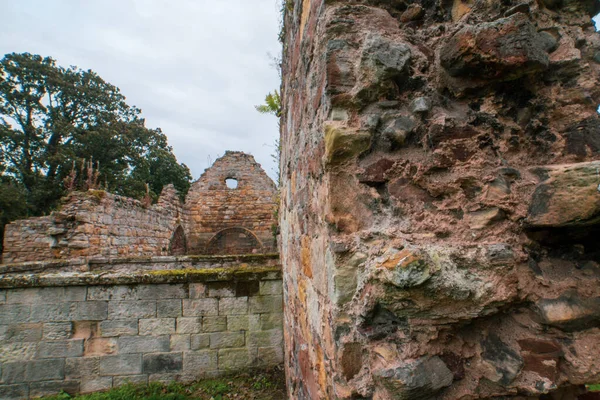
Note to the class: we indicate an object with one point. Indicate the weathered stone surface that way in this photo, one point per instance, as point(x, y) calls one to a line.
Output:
point(126, 364)
point(125, 327)
point(569, 196)
point(459, 263)
point(570, 312)
point(143, 344)
point(163, 363)
point(419, 379)
point(506, 48)
point(48, 388)
point(157, 326)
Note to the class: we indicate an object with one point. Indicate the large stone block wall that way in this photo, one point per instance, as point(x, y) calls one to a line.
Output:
point(96, 224)
point(79, 332)
point(439, 202)
point(223, 220)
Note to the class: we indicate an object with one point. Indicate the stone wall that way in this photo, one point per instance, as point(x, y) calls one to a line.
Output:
point(223, 220)
point(439, 203)
point(84, 331)
point(96, 223)
point(213, 220)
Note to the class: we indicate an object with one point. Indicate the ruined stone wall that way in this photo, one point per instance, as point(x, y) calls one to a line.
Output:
point(96, 224)
point(83, 332)
point(223, 220)
point(439, 203)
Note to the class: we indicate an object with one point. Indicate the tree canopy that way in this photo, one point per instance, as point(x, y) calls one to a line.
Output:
point(53, 118)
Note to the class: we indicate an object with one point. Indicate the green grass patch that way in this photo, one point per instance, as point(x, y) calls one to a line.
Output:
point(265, 385)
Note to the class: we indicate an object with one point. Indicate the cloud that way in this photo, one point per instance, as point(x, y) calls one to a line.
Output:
point(196, 68)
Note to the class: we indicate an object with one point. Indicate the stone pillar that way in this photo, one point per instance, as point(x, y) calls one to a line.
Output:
point(440, 205)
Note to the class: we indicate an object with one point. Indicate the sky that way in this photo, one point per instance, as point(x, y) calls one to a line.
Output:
point(196, 68)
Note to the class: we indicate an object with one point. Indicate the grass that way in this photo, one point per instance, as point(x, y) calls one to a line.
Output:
point(594, 388)
point(266, 385)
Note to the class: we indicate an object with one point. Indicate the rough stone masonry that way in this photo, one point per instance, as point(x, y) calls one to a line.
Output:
point(440, 206)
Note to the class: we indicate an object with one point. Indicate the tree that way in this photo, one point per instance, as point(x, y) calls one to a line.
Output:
point(55, 120)
point(51, 117)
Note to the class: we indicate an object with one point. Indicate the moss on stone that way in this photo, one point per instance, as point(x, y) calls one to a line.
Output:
point(342, 144)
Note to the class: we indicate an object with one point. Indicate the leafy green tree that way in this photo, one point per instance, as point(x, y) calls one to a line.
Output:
point(51, 117)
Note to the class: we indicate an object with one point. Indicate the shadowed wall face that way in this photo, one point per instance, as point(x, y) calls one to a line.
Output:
point(439, 200)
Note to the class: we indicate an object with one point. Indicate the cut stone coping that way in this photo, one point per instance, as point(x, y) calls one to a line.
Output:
point(107, 263)
point(94, 278)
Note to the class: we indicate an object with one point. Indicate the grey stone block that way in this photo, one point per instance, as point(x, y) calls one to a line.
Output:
point(14, 392)
point(179, 342)
point(15, 313)
point(222, 340)
point(161, 292)
point(123, 327)
point(214, 324)
point(197, 290)
point(17, 351)
point(270, 338)
point(95, 383)
point(157, 326)
point(168, 308)
point(2, 296)
point(46, 295)
point(33, 371)
point(143, 344)
point(57, 330)
point(21, 333)
point(164, 363)
point(221, 289)
point(131, 309)
point(60, 348)
point(115, 293)
point(130, 379)
point(91, 311)
point(48, 388)
point(59, 312)
point(82, 366)
point(200, 341)
point(254, 322)
point(189, 325)
point(271, 288)
point(163, 378)
point(199, 361)
point(271, 321)
point(200, 307)
point(270, 356)
point(237, 323)
point(233, 306)
point(123, 364)
point(265, 304)
point(233, 359)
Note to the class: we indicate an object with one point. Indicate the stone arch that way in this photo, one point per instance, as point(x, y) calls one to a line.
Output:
point(236, 240)
point(178, 243)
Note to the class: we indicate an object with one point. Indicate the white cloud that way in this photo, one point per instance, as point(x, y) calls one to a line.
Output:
point(196, 68)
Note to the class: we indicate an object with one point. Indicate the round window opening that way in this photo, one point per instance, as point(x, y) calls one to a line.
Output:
point(231, 183)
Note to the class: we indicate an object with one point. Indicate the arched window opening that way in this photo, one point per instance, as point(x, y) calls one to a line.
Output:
point(234, 241)
point(231, 183)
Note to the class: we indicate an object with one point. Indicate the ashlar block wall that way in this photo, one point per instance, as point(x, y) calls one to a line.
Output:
point(87, 332)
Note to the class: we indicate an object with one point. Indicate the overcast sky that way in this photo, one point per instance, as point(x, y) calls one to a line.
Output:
point(196, 68)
